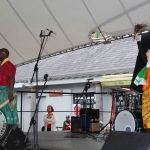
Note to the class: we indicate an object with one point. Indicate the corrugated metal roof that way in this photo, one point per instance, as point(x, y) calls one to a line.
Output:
point(114, 58)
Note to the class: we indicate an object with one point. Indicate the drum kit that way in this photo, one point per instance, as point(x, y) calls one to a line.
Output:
point(129, 119)
point(11, 137)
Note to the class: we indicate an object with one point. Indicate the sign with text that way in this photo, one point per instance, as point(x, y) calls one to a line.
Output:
point(54, 93)
point(116, 83)
point(84, 100)
point(119, 102)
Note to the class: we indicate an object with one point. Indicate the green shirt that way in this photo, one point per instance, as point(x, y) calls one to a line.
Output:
point(65, 124)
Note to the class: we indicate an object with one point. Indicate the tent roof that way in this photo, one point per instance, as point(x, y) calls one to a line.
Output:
point(73, 21)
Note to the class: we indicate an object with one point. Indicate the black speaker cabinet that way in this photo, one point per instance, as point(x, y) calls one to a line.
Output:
point(91, 113)
point(119, 140)
point(76, 124)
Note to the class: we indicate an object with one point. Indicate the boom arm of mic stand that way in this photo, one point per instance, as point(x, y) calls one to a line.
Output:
point(35, 69)
point(33, 121)
point(85, 89)
point(110, 122)
point(79, 99)
point(36, 65)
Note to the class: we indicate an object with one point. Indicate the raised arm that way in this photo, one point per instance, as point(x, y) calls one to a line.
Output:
point(141, 50)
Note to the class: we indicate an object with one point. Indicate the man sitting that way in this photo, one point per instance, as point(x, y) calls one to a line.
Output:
point(67, 123)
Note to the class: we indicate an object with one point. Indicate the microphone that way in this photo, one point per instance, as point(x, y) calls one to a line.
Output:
point(88, 84)
point(51, 31)
point(90, 79)
point(41, 33)
point(46, 77)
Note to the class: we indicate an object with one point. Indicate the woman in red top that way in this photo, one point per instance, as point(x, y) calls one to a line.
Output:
point(50, 119)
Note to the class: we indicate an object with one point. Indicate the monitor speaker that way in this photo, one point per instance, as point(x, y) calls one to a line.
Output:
point(76, 124)
point(120, 140)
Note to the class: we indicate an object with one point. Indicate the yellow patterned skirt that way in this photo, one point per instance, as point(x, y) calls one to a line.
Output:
point(146, 109)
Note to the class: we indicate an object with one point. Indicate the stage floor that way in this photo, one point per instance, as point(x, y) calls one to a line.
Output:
point(65, 140)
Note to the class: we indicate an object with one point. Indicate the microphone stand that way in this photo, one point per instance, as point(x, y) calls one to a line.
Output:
point(34, 119)
point(87, 85)
point(110, 122)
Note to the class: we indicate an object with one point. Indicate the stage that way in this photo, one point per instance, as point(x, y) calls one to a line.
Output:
point(65, 140)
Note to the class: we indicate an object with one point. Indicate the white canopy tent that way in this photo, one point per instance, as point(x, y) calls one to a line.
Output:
point(21, 22)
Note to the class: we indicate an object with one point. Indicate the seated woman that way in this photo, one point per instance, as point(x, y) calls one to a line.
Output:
point(50, 119)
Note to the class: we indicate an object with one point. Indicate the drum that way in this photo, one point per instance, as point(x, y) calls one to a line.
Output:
point(125, 121)
point(13, 139)
point(3, 124)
